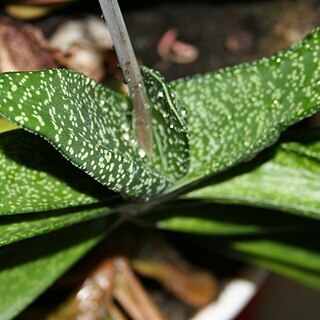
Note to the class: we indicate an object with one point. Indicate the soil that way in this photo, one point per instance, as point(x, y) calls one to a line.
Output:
point(226, 33)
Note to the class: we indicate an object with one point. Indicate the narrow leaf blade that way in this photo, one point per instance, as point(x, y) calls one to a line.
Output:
point(200, 217)
point(294, 258)
point(283, 243)
point(304, 142)
point(286, 181)
point(169, 127)
point(15, 228)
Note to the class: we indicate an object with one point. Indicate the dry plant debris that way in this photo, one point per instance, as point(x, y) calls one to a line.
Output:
point(173, 50)
point(16, 38)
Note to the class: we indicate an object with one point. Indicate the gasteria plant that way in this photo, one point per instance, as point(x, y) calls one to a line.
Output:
point(76, 164)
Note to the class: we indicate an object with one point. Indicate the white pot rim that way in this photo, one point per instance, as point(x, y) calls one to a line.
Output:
point(236, 294)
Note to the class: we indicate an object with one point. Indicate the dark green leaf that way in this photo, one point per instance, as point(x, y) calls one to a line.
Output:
point(16, 227)
point(300, 250)
point(31, 266)
point(283, 243)
point(197, 217)
point(304, 142)
point(169, 127)
point(295, 256)
point(35, 177)
point(305, 277)
point(235, 113)
point(286, 181)
point(90, 126)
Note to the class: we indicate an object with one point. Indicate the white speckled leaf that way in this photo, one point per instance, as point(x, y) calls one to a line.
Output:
point(88, 124)
point(25, 274)
point(235, 113)
point(284, 180)
point(35, 177)
point(169, 127)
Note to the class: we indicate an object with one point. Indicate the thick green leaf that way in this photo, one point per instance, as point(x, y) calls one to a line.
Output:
point(16, 227)
point(294, 256)
point(197, 217)
point(305, 277)
point(235, 113)
point(35, 177)
point(283, 243)
point(304, 142)
point(28, 267)
point(285, 249)
point(89, 124)
point(286, 181)
point(294, 245)
point(169, 127)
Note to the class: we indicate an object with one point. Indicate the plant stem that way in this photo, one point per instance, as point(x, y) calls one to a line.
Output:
point(131, 73)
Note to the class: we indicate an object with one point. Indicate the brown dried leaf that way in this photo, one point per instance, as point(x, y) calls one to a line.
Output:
point(109, 281)
point(172, 50)
point(160, 261)
point(23, 47)
point(82, 58)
